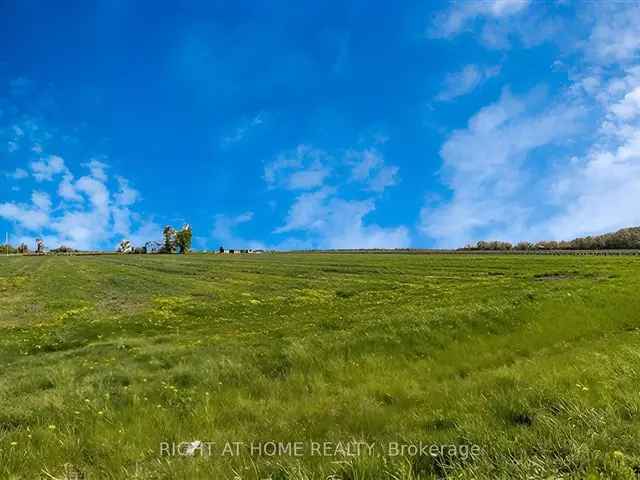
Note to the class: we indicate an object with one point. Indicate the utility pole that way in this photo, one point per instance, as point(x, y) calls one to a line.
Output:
point(7, 243)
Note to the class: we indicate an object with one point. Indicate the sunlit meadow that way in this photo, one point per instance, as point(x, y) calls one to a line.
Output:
point(534, 359)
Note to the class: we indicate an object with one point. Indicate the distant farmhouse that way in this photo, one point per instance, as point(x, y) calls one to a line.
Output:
point(152, 247)
point(223, 250)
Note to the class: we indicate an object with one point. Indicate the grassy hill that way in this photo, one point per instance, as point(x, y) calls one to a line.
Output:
point(533, 360)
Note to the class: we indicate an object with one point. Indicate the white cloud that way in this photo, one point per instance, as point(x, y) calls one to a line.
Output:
point(87, 210)
point(17, 131)
point(242, 131)
point(498, 23)
point(488, 167)
point(307, 212)
point(146, 231)
point(599, 193)
point(364, 162)
point(41, 200)
point(224, 231)
point(18, 174)
point(323, 213)
point(368, 166)
point(98, 169)
point(126, 194)
point(336, 223)
point(96, 191)
point(629, 106)
point(67, 189)
point(47, 168)
point(500, 189)
point(615, 36)
point(465, 81)
point(122, 221)
point(26, 216)
point(302, 168)
point(311, 177)
point(98, 222)
point(461, 14)
point(386, 177)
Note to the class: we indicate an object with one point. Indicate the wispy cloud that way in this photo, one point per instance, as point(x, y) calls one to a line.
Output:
point(302, 168)
point(368, 166)
point(98, 216)
point(460, 14)
point(508, 174)
point(47, 168)
point(326, 214)
point(243, 130)
point(497, 24)
point(488, 168)
point(18, 174)
point(615, 33)
point(465, 81)
point(225, 231)
point(337, 223)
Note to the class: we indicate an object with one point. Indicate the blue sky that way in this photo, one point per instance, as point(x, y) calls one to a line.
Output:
point(318, 125)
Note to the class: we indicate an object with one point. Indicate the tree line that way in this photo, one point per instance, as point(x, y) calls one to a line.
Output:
point(174, 241)
point(624, 239)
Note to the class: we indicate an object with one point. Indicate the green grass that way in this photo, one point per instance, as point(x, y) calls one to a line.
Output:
point(535, 359)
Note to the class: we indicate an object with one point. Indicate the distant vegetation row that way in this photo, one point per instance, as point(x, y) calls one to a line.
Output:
point(179, 241)
point(174, 241)
point(625, 239)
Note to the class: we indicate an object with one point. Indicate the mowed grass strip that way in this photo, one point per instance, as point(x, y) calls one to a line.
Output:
point(534, 359)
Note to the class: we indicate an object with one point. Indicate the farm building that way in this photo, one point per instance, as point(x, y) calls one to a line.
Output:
point(153, 247)
point(238, 251)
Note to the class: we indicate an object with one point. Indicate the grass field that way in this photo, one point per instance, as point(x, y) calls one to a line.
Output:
point(535, 360)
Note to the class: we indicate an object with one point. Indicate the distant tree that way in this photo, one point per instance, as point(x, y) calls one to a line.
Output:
point(6, 248)
point(221, 249)
point(64, 249)
point(39, 246)
point(22, 248)
point(626, 238)
point(494, 245)
point(547, 245)
point(169, 234)
point(183, 239)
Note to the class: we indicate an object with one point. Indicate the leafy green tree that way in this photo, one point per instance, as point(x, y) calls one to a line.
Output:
point(169, 234)
point(183, 239)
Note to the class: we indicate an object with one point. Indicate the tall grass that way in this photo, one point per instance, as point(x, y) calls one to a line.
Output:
point(536, 360)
